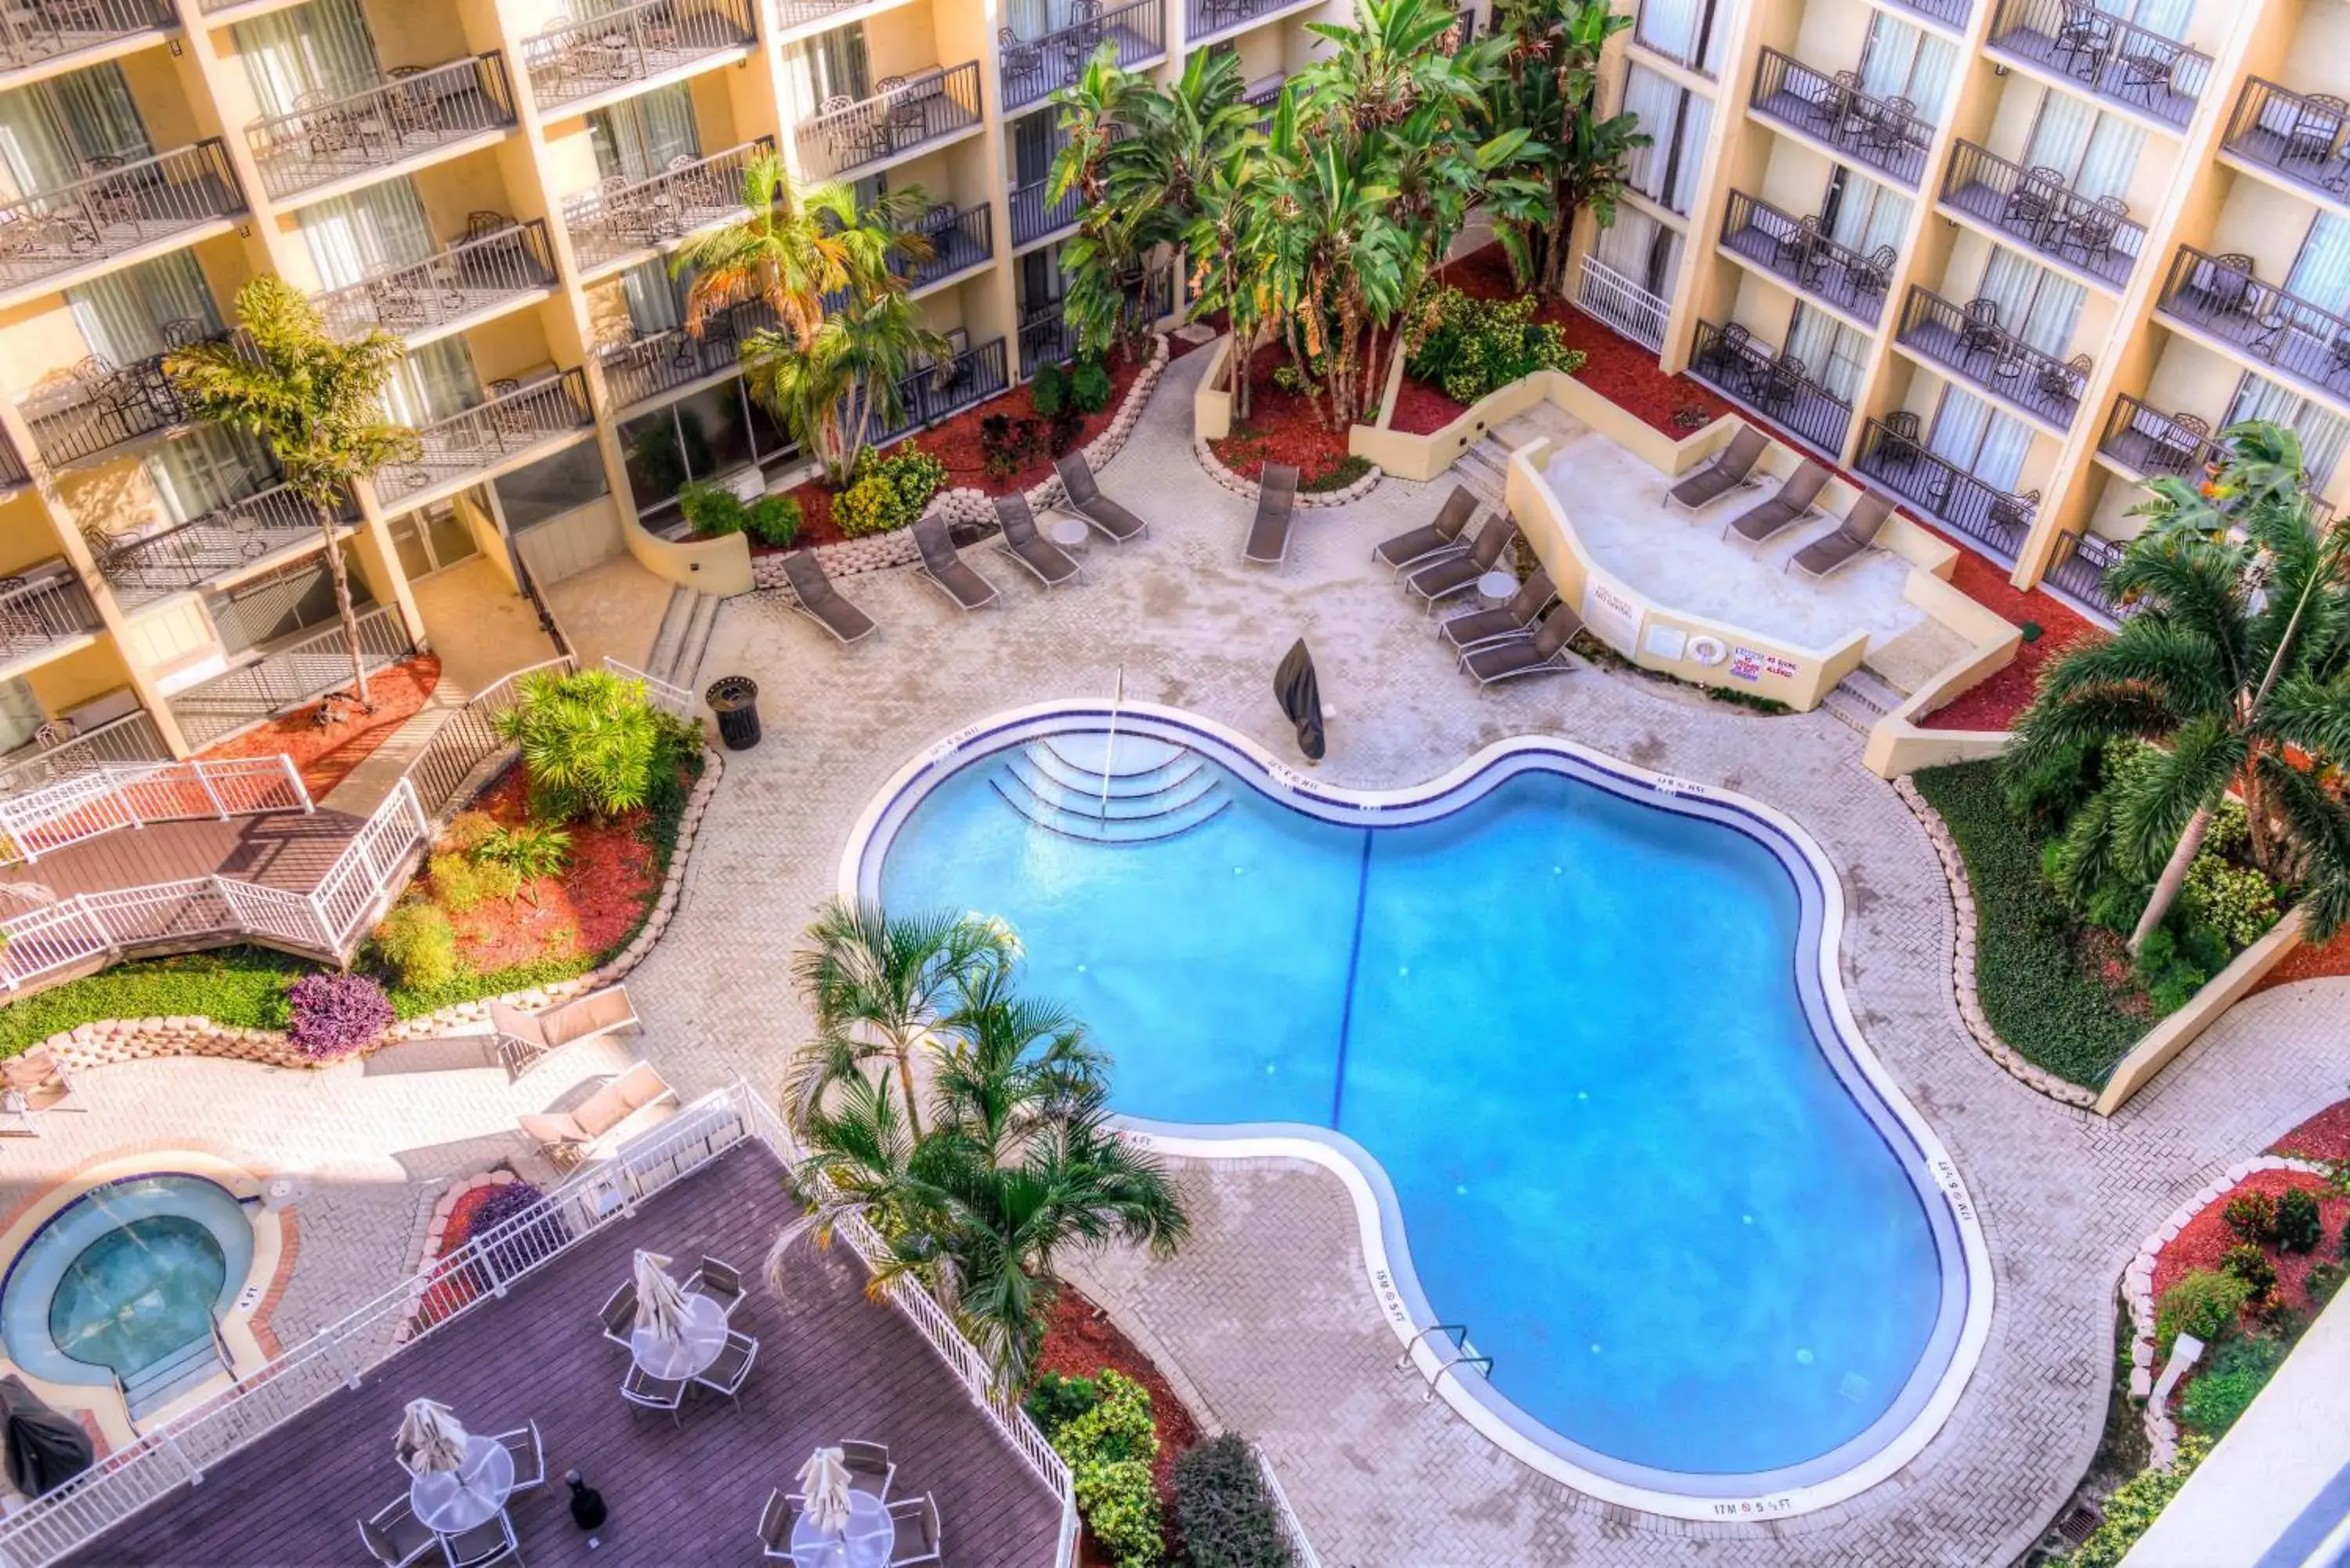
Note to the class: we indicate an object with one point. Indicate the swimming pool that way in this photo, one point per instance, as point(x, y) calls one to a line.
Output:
point(1576, 1039)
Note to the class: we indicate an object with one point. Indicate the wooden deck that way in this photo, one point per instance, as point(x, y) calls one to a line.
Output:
point(285, 849)
point(831, 1365)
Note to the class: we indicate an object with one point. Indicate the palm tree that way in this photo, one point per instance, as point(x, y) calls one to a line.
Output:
point(1548, 87)
point(315, 400)
point(830, 389)
point(2237, 662)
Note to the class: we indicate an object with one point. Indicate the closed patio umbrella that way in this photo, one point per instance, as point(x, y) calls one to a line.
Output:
point(660, 1299)
point(431, 1439)
point(824, 1482)
point(45, 1450)
point(1300, 691)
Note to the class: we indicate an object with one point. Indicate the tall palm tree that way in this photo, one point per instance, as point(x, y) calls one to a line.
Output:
point(830, 388)
point(1549, 88)
point(315, 400)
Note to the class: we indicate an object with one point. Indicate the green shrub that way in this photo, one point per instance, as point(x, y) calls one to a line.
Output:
point(2174, 964)
point(2253, 1216)
point(2236, 901)
point(2131, 1511)
point(467, 829)
point(1472, 347)
point(241, 987)
point(714, 511)
point(2204, 1302)
point(454, 887)
point(775, 521)
point(2249, 1263)
point(1054, 1401)
point(419, 945)
point(2045, 792)
point(591, 743)
point(1338, 477)
point(890, 492)
point(1289, 379)
point(1048, 390)
point(495, 881)
point(2322, 1281)
point(2299, 1227)
point(1227, 1517)
point(2226, 1384)
point(534, 849)
point(1089, 387)
point(1110, 1449)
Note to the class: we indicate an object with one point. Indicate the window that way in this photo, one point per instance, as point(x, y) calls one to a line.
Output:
point(374, 230)
point(553, 485)
point(830, 66)
point(2324, 433)
point(208, 468)
point(640, 137)
point(2321, 273)
point(434, 383)
point(701, 437)
point(651, 298)
point(1832, 354)
point(2171, 18)
point(2035, 305)
point(1641, 249)
point(1676, 120)
point(20, 713)
point(1684, 30)
point(1970, 434)
point(266, 609)
point(51, 131)
point(1904, 60)
point(137, 313)
point(2096, 152)
point(323, 47)
point(1861, 215)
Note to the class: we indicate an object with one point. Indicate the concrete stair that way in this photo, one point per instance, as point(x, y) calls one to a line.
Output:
point(1485, 470)
point(683, 636)
point(1860, 700)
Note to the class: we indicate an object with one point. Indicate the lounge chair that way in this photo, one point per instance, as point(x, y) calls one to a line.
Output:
point(1441, 537)
point(520, 1039)
point(605, 1120)
point(1515, 619)
point(1439, 581)
point(1791, 503)
point(1052, 565)
point(1856, 534)
point(944, 568)
point(395, 1537)
point(620, 1314)
point(775, 1523)
point(731, 1367)
point(1085, 499)
point(720, 1283)
point(1276, 504)
point(814, 597)
point(1732, 466)
point(1537, 655)
point(30, 1084)
point(917, 1524)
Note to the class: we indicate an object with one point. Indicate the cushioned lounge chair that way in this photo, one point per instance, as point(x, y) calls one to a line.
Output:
point(1109, 519)
point(1439, 581)
point(1537, 655)
point(1849, 538)
point(605, 1120)
point(1515, 619)
point(1441, 537)
point(944, 568)
point(814, 597)
point(521, 1039)
point(1789, 505)
point(1051, 565)
point(1276, 506)
point(1732, 466)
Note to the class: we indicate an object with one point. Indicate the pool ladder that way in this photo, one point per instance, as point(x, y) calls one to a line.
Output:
point(1462, 1355)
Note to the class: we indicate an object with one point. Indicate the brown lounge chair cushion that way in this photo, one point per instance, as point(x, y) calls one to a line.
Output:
point(600, 1113)
point(1504, 620)
point(1050, 562)
point(1459, 509)
point(1086, 500)
point(1794, 501)
point(1276, 501)
point(1857, 532)
point(1545, 650)
point(1727, 472)
point(820, 601)
point(947, 569)
point(1456, 574)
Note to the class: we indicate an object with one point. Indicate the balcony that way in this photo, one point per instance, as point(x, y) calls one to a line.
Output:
point(1970, 342)
point(2080, 569)
point(618, 219)
point(204, 549)
point(926, 397)
point(1035, 217)
point(462, 281)
point(1884, 133)
point(368, 132)
point(294, 672)
point(1795, 250)
point(2119, 60)
point(633, 44)
point(1205, 19)
point(115, 212)
point(2149, 443)
point(41, 608)
point(514, 418)
point(52, 29)
point(899, 118)
point(2095, 239)
point(1951, 13)
point(86, 744)
point(13, 475)
point(1622, 304)
point(98, 408)
point(2297, 138)
point(959, 239)
point(1045, 335)
point(1776, 386)
point(1991, 517)
point(643, 368)
point(2283, 331)
point(1036, 69)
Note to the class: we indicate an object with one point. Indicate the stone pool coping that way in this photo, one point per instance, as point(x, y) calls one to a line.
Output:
point(1909, 1424)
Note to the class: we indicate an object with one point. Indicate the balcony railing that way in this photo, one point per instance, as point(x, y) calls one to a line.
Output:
point(114, 210)
point(1776, 386)
point(205, 548)
point(101, 408)
point(2219, 295)
point(2080, 571)
point(633, 44)
point(1035, 68)
point(471, 442)
point(1957, 12)
point(806, 13)
point(974, 376)
point(2139, 438)
point(13, 475)
point(1205, 18)
point(1623, 305)
point(606, 225)
point(645, 368)
point(40, 609)
point(287, 676)
point(466, 278)
point(1046, 337)
point(1948, 493)
point(1034, 216)
point(1970, 342)
point(133, 738)
point(1795, 249)
point(2300, 138)
point(2036, 206)
point(48, 29)
point(1884, 133)
point(2114, 59)
point(897, 119)
point(961, 239)
point(370, 130)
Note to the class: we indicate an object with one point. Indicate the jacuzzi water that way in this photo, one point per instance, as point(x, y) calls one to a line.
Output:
point(1577, 1028)
point(125, 1278)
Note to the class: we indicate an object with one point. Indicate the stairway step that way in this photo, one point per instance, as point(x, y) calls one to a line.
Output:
point(686, 669)
point(1049, 765)
point(1201, 809)
point(154, 1386)
point(675, 615)
point(1087, 802)
point(1090, 752)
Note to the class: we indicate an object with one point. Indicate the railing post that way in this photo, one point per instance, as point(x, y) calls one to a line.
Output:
point(301, 786)
point(211, 793)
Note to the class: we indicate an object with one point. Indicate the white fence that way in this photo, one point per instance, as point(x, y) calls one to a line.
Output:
point(661, 693)
point(1300, 1548)
point(180, 1451)
point(1621, 303)
point(132, 795)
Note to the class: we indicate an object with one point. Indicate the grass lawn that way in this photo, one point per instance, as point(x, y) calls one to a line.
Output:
point(2038, 987)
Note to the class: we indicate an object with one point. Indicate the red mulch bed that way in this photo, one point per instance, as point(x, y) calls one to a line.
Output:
point(591, 907)
point(1422, 409)
point(2307, 962)
point(1082, 1343)
point(1993, 705)
point(327, 756)
point(2325, 1135)
point(2206, 1238)
point(1281, 427)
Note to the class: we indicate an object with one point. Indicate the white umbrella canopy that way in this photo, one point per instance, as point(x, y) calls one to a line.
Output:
point(660, 1299)
point(431, 1438)
point(824, 1483)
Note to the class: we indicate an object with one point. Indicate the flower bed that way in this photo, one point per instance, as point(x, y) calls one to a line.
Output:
point(600, 898)
point(328, 755)
point(1284, 427)
point(1080, 1341)
point(2204, 1240)
point(2324, 1137)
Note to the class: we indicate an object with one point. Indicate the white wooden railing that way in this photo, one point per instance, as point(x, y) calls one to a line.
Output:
point(1623, 305)
point(132, 795)
point(180, 1451)
point(1300, 1549)
point(666, 694)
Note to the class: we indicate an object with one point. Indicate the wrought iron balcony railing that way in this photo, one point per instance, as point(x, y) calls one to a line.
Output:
point(40, 609)
point(1034, 216)
point(1045, 335)
point(2114, 59)
point(374, 129)
point(14, 475)
point(49, 29)
point(926, 397)
point(959, 239)
point(809, 12)
point(133, 738)
point(205, 548)
point(115, 210)
point(1204, 19)
point(899, 118)
point(620, 217)
point(2150, 442)
point(1957, 12)
point(509, 421)
point(635, 43)
point(1884, 133)
point(99, 406)
point(1991, 517)
point(287, 675)
point(1035, 68)
point(2291, 334)
point(460, 281)
point(644, 367)
point(1796, 250)
point(1969, 341)
point(2038, 207)
point(2299, 138)
point(1775, 385)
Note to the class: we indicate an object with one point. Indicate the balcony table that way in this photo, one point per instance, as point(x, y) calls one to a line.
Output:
point(453, 1504)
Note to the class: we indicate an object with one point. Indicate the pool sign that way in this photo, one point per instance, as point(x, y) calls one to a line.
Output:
point(1752, 664)
point(1612, 616)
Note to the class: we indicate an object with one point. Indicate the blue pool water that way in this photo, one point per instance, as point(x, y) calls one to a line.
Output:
point(1570, 1027)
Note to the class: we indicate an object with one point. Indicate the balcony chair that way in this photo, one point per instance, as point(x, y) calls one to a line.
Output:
point(1981, 332)
point(2084, 38)
point(2013, 514)
point(2038, 199)
point(1020, 61)
point(2223, 284)
point(2065, 382)
point(1874, 273)
point(2093, 231)
point(1890, 127)
point(2148, 66)
point(2316, 127)
point(1834, 105)
point(2173, 444)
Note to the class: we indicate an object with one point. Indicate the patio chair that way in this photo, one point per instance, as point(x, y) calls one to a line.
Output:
point(1980, 332)
point(2316, 124)
point(917, 1524)
point(1441, 537)
point(2011, 515)
point(1537, 655)
point(35, 1075)
point(720, 1283)
point(944, 568)
point(1731, 468)
point(642, 1388)
point(619, 1314)
point(2174, 443)
point(1515, 619)
point(775, 1523)
point(1439, 581)
point(2082, 37)
point(606, 1119)
point(1873, 274)
point(1276, 506)
point(523, 1039)
point(492, 1541)
point(1047, 562)
point(529, 1456)
point(395, 1537)
point(1791, 504)
point(1847, 540)
point(2065, 382)
point(731, 1368)
point(814, 597)
point(1109, 519)
point(868, 1466)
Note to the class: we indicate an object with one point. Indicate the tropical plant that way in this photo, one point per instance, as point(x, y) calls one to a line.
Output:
point(591, 743)
point(714, 511)
point(331, 1015)
point(1227, 1517)
point(1548, 87)
point(2236, 662)
point(534, 849)
point(887, 493)
point(833, 389)
point(2299, 1225)
point(1110, 1447)
point(2204, 1302)
point(315, 400)
point(2133, 1508)
point(419, 944)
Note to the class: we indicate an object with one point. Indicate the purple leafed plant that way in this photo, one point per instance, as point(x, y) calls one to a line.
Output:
point(335, 1014)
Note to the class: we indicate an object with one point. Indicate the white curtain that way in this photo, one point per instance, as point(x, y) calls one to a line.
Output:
point(2324, 434)
point(1642, 249)
point(828, 66)
point(369, 230)
point(49, 131)
point(2321, 273)
point(2096, 152)
point(20, 713)
point(323, 47)
point(1656, 102)
point(2171, 18)
point(1867, 215)
point(639, 135)
point(1971, 434)
point(207, 468)
point(1833, 352)
point(650, 297)
point(2034, 304)
point(1903, 61)
point(1671, 26)
point(123, 314)
point(434, 383)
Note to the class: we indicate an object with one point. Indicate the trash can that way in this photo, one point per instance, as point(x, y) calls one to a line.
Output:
point(736, 700)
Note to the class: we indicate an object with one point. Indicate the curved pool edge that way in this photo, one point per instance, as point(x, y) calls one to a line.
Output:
point(1395, 1287)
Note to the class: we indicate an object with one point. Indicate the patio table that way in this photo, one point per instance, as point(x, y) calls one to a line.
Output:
point(1068, 533)
point(1498, 587)
point(692, 1352)
point(453, 1504)
point(865, 1543)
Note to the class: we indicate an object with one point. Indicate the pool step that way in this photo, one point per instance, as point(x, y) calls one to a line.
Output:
point(1126, 802)
point(154, 1386)
point(1047, 770)
point(1120, 830)
point(1128, 756)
